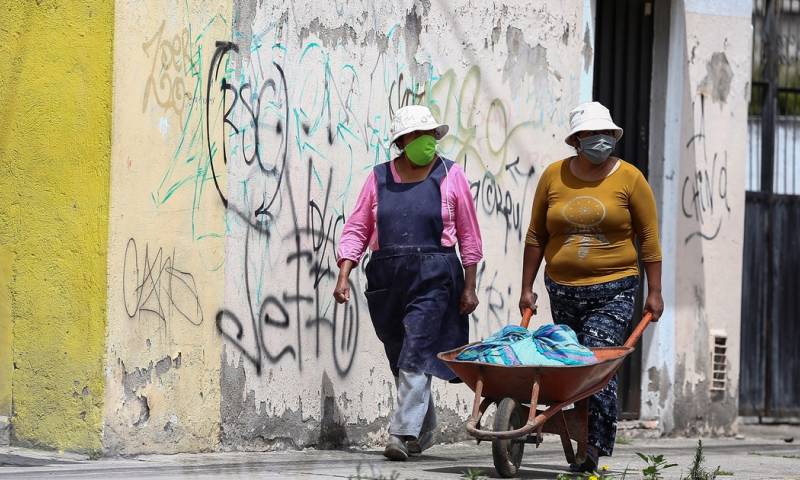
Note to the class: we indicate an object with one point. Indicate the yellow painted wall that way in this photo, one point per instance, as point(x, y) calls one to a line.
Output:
point(6, 361)
point(55, 106)
point(166, 232)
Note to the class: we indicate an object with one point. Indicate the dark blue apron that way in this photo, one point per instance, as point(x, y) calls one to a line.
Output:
point(414, 283)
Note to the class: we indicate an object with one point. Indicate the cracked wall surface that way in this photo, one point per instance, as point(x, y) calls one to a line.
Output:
point(166, 238)
point(177, 298)
point(325, 84)
point(243, 131)
point(710, 227)
point(242, 134)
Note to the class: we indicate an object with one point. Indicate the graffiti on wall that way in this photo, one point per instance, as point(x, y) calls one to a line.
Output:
point(154, 285)
point(704, 191)
point(176, 85)
point(282, 141)
point(257, 120)
point(170, 61)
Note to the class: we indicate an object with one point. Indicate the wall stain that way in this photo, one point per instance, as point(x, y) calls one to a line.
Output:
point(133, 382)
point(696, 413)
point(413, 29)
point(329, 36)
point(379, 39)
point(251, 426)
point(588, 51)
point(244, 13)
point(524, 59)
point(496, 31)
point(717, 82)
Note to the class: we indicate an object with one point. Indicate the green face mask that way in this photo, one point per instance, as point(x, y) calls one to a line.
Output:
point(421, 150)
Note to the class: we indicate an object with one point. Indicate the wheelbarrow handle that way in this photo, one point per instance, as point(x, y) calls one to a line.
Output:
point(528, 313)
point(526, 318)
point(639, 330)
point(526, 429)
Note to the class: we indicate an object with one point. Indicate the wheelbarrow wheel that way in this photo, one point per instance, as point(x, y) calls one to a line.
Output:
point(507, 454)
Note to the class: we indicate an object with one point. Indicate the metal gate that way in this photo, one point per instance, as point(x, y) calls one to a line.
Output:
point(769, 384)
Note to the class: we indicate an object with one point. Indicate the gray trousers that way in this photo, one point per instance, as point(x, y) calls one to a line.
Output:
point(414, 413)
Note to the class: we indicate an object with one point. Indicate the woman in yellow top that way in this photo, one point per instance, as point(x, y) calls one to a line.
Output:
point(588, 212)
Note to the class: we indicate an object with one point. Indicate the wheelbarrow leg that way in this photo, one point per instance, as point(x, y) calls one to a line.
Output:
point(566, 441)
point(559, 424)
point(478, 406)
point(477, 413)
point(580, 428)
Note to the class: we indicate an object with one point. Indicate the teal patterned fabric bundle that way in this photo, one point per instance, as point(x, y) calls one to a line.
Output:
point(549, 345)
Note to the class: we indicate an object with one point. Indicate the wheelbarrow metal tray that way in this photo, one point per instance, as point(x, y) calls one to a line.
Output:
point(518, 390)
point(557, 383)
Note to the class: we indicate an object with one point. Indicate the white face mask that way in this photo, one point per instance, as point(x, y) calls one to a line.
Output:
point(597, 148)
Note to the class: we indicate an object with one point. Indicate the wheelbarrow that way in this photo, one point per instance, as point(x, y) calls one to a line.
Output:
point(532, 400)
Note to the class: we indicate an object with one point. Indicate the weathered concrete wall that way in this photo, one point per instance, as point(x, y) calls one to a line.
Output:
point(707, 227)
point(321, 85)
point(54, 155)
point(166, 243)
point(701, 92)
point(272, 116)
point(242, 133)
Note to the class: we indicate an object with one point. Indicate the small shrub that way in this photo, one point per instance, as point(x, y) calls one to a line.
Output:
point(603, 473)
point(656, 464)
point(373, 475)
point(698, 471)
point(471, 474)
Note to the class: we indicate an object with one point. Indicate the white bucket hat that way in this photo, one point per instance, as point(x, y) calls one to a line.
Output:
point(415, 118)
point(591, 116)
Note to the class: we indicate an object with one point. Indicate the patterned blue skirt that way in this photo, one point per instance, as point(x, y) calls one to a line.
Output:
point(600, 315)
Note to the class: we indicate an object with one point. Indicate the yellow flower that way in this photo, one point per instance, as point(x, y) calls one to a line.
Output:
point(594, 477)
point(604, 468)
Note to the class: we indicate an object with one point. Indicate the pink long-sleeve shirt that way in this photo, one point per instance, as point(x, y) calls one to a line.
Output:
point(458, 215)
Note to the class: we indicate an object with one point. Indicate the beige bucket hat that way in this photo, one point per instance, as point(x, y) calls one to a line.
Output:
point(591, 116)
point(414, 118)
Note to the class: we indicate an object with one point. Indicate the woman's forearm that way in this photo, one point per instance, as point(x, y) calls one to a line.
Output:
point(345, 267)
point(470, 276)
point(653, 272)
point(531, 262)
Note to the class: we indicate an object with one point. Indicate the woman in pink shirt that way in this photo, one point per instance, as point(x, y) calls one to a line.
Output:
point(411, 213)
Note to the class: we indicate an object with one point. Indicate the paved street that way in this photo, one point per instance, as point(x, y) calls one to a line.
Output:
point(762, 454)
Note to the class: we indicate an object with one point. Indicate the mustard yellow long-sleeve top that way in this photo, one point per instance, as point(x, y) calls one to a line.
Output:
point(588, 229)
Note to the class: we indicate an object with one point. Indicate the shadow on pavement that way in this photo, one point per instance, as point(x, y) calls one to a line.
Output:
point(524, 472)
point(12, 460)
point(421, 458)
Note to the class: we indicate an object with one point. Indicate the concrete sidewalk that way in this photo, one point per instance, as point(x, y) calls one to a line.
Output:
point(765, 456)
